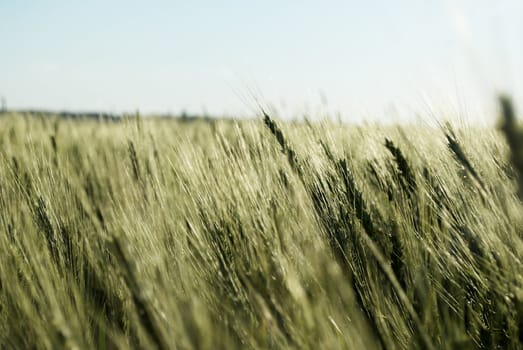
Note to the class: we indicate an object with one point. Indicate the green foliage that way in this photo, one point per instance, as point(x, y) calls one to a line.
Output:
point(151, 233)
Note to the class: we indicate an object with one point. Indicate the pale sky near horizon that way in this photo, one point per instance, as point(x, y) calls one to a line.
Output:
point(362, 59)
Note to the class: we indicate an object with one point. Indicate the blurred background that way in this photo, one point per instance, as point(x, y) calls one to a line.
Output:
point(387, 61)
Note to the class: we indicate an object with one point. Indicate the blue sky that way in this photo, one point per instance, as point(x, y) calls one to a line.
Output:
point(358, 58)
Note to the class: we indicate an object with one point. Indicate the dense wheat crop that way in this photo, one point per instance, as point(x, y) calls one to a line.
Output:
point(257, 234)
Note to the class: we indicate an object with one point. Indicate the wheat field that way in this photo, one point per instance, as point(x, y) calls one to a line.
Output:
point(257, 234)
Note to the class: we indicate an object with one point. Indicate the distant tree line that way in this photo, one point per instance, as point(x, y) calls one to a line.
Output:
point(183, 116)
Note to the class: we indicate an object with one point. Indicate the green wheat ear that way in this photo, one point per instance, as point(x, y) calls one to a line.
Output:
point(514, 137)
point(459, 154)
point(407, 176)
